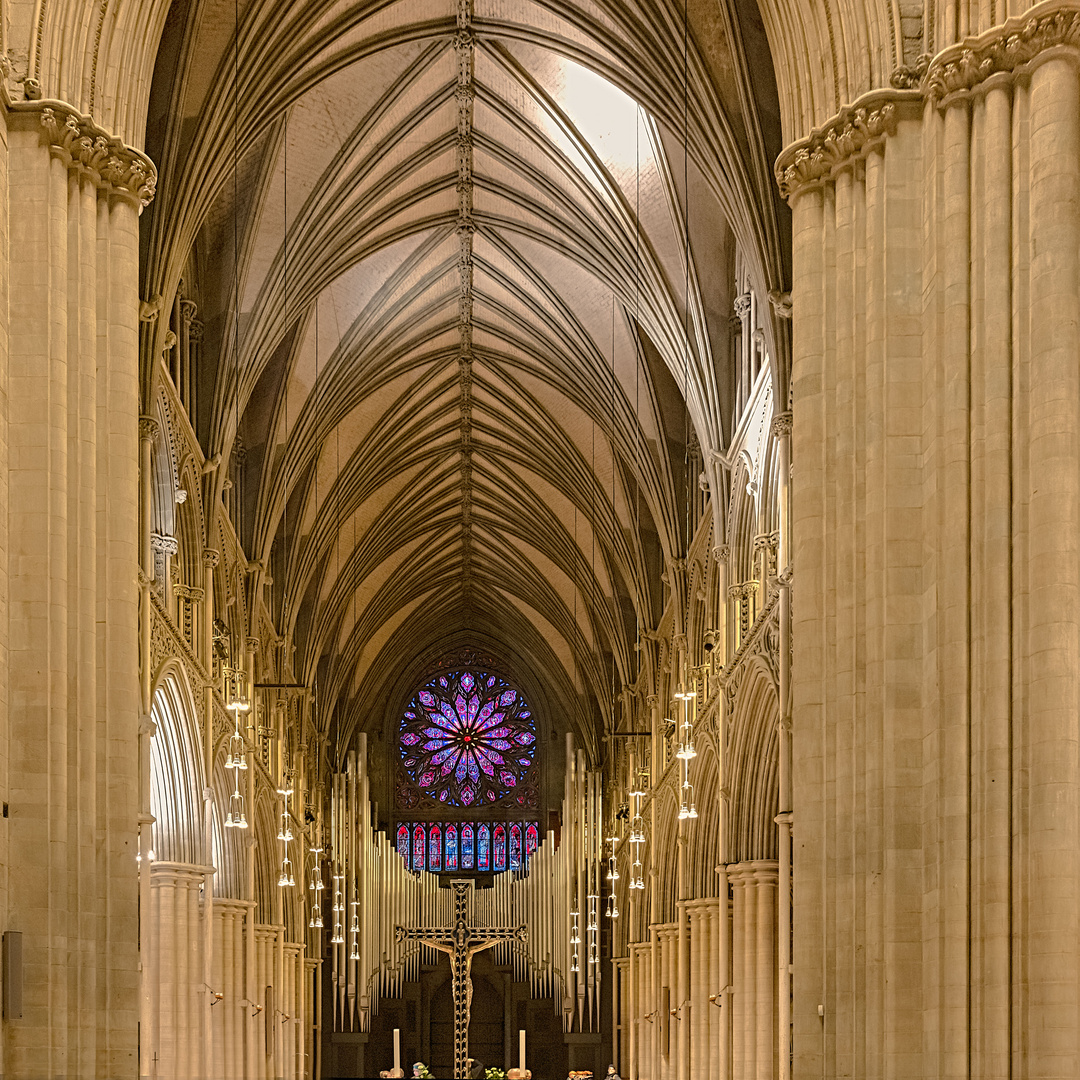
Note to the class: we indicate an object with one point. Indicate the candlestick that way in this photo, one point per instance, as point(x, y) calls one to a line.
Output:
point(397, 1051)
point(521, 1050)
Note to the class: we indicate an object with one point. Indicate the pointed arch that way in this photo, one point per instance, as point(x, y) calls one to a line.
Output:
point(176, 774)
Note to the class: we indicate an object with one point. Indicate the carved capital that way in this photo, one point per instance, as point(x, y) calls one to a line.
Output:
point(167, 545)
point(82, 145)
point(148, 428)
point(851, 134)
point(742, 305)
point(188, 310)
point(722, 552)
point(781, 424)
point(1004, 48)
point(211, 557)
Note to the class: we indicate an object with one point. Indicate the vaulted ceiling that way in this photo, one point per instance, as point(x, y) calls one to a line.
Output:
point(440, 247)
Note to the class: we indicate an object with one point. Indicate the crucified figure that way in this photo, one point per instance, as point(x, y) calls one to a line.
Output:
point(461, 943)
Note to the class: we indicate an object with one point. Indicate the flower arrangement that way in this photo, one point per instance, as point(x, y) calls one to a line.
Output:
point(494, 1074)
point(422, 1071)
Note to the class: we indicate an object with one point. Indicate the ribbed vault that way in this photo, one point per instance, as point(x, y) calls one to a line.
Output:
point(439, 250)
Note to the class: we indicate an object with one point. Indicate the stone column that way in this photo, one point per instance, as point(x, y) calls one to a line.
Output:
point(712, 987)
point(937, 447)
point(165, 549)
point(228, 980)
point(148, 946)
point(70, 436)
point(683, 998)
point(782, 435)
point(698, 1045)
point(754, 974)
point(148, 433)
point(180, 992)
point(632, 996)
point(313, 1015)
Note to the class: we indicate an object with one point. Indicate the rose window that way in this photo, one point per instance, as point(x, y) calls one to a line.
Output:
point(467, 738)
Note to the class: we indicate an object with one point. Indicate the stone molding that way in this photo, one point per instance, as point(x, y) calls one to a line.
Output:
point(77, 141)
point(167, 545)
point(850, 135)
point(754, 872)
point(864, 125)
point(148, 428)
point(192, 875)
point(1005, 48)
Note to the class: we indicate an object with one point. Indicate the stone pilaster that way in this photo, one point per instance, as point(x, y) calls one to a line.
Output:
point(180, 993)
point(936, 672)
point(754, 977)
point(71, 424)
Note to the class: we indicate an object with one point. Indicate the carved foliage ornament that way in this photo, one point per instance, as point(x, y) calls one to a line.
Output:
point(860, 127)
point(855, 131)
point(1005, 48)
point(112, 166)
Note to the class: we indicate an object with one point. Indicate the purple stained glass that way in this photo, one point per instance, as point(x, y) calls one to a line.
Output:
point(515, 847)
point(466, 847)
point(467, 738)
point(435, 849)
point(451, 847)
point(500, 848)
point(532, 837)
point(419, 848)
point(483, 848)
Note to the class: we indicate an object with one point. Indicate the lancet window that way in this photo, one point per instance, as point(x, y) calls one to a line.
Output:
point(450, 846)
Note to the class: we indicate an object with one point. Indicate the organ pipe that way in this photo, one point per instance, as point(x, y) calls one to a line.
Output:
point(368, 872)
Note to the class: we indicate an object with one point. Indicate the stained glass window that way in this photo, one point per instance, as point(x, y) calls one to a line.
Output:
point(467, 738)
point(451, 847)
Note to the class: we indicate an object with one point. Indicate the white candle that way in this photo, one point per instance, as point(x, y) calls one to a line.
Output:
point(521, 1049)
point(397, 1051)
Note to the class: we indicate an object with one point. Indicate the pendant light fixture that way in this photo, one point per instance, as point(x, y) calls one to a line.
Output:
point(612, 910)
point(575, 941)
point(686, 695)
point(316, 883)
point(339, 910)
point(236, 818)
point(636, 835)
point(236, 702)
